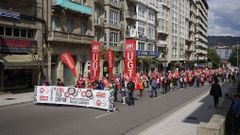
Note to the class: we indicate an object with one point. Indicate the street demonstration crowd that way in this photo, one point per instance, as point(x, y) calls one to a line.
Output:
point(164, 82)
point(155, 82)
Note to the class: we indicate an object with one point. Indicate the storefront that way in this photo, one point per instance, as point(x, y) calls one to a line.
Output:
point(17, 72)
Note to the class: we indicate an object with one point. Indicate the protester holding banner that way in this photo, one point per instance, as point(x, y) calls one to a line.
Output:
point(59, 82)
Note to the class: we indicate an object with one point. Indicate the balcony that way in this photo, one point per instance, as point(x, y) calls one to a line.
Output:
point(113, 3)
point(69, 37)
point(162, 43)
point(131, 15)
point(99, 22)
point(165, 3)
point(113, 25)
point(74, 6)
point(162, 30)
point(99, 1)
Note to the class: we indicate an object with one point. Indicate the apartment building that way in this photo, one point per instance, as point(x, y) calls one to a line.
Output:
point(21, 31)
point(174, 36)
point(141, 25)
point(163, 17)
point(109, 29)
point(70, 29)
point(224, 52)
point(201, 31)
point(178, 32)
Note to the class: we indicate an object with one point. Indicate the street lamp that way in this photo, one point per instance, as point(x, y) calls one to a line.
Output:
point(237, 54)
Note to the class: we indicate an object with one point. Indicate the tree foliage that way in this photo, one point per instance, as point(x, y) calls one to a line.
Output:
point(214, 58)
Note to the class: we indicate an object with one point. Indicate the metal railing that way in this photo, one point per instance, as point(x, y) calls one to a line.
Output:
point(69, 36)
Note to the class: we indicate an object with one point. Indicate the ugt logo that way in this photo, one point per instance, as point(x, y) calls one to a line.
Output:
point(129, 46)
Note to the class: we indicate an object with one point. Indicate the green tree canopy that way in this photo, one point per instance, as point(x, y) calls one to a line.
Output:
point(213, 57)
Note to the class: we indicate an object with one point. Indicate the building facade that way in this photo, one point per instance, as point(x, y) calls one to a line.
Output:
point(201, 31)
point(140, 16)
point(21, 31)
point(224, 52)
point(182, 32)
point(70, 29)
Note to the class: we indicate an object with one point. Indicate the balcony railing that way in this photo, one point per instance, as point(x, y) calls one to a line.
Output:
point(162, 43)
point(69, 37)
point(115, 3)
point(131, 15)
point(74, 6)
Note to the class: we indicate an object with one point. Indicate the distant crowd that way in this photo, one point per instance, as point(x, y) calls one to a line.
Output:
point(155, 82)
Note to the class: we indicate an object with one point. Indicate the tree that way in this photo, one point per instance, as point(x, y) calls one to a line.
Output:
point(233, 57)
point(39, 56)
point(213, 57)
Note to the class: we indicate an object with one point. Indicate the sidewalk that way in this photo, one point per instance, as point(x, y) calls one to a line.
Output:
point(12, 99)
point(185, 120)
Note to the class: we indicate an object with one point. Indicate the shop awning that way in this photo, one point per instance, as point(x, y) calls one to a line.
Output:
point(17, 62)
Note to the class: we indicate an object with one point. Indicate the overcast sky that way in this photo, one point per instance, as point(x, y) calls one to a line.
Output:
point(224, 17)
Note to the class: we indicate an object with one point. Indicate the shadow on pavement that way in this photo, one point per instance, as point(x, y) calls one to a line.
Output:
point(206, 110)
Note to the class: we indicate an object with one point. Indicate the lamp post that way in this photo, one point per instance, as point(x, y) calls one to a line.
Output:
point(237, 54)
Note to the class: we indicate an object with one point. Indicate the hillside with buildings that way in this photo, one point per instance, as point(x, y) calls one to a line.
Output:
point(222, 41)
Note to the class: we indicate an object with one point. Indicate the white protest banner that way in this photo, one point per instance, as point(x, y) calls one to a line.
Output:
point(74, 96)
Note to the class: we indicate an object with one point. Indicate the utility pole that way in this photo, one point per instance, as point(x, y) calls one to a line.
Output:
point(237, 54)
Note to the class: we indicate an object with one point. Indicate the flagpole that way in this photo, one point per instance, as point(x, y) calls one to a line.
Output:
point(237, 54)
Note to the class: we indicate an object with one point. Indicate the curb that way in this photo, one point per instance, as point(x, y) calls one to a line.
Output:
point(14, 104)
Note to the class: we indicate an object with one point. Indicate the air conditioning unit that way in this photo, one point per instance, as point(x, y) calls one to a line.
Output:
point(133, 33)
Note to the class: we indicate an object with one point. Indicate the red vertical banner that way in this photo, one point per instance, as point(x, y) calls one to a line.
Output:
point(110, 59)
point(68, 60)
point(95, 60)
point(130, 60)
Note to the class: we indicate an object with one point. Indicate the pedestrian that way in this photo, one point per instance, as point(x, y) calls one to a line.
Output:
point(216, 92)
point(45, 83)
point(236, 111)
point(130, 87)
point(154, 87)
point(123, 91)
point(59, 82)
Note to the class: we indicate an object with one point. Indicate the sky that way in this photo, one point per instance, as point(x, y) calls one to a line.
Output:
point(224, 17)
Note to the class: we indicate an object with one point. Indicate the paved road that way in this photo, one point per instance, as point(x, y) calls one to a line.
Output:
point(28, 119)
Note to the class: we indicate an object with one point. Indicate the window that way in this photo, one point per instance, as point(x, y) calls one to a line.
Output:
point(113, 38)
point(113, 18)
point(150, 47)
point(141, 29)
point(1, 30)
point(141, 11)
point(151, 32)
point(151, 16)
point(114, 2)
point(8, 31)
point(54, 22)
point(30, 33)
point(70, 25)
point(23, 33)
point(16, 32)
point(83, 27)
point(141, 46)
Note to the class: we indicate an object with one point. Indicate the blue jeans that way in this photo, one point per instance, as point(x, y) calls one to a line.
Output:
point(154, 90)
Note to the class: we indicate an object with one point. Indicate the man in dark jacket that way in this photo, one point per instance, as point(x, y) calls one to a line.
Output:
point(131, 87)
point(216, 91)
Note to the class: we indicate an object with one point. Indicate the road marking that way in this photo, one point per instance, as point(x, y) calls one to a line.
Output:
point(102, 115)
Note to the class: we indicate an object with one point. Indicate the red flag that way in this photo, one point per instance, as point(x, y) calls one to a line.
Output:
point(95, 60)
point(110, 59)
point(130, 59)
point(68, 60)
